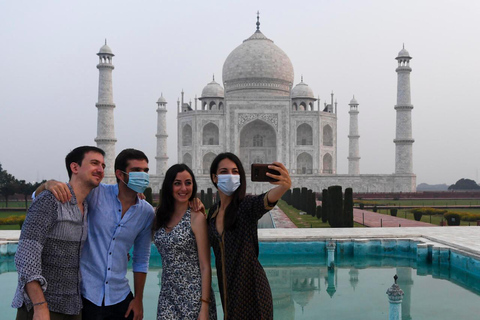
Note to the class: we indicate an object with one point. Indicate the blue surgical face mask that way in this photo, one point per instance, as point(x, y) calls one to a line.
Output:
point(228, 183)
point(137, 181)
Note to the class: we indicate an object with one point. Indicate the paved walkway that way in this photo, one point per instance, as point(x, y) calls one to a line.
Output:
point(280, 219)
point(373, 219)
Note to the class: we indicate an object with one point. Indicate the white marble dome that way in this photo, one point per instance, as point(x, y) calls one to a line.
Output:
point(161, 99)
point(105, 49)
point(302, 90)
point(258, 64)
point(403, 54)
point(353, 101)
point(213, 90)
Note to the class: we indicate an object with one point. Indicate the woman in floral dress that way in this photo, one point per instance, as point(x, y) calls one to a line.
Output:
point(182, 240)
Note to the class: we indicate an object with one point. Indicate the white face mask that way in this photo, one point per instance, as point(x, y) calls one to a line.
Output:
point(228, 183)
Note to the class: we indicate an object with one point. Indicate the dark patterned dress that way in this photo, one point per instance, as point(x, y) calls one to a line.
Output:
point(243, 283)
point(181, 278)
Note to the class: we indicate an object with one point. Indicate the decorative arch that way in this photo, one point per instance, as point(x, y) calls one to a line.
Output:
point(304, 135)
point(327, 163)
point(210, 134)
point(258, 143)
point(207, 162)
point(220, 106)
point(187, 135)
point(310, 106)
point(302, 106)
point(213, 105)
point(204, 105)
point(295, 107)
point(187, 159)
point(304, 163)
point(327, 136)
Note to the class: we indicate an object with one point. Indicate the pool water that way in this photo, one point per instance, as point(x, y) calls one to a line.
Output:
point(304, 288)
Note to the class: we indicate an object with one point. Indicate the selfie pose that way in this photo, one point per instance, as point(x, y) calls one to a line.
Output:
point(182, 240)
point(232, 229)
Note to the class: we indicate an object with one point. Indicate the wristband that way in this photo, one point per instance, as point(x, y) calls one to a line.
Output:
point(206, 301)
point(39, 303)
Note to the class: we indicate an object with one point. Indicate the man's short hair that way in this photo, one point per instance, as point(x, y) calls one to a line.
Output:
point(77, 155)
point(121, 161)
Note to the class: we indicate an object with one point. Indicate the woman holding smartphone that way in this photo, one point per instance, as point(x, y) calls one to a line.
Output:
point(232, 229)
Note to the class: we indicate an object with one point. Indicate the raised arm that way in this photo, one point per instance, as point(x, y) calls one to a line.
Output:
point(59, 189)
point(199, 228)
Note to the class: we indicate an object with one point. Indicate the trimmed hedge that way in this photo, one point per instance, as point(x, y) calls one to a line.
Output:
point(464, 216)
point(12, 220)
point(428, 211)
point(453, 219)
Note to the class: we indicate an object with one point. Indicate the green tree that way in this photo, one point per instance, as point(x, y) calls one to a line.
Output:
point(148, 195)
point(325, 206)
point(348, 208)
point(336, 206)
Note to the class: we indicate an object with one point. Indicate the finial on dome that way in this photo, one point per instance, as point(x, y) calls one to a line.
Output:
point(302, 78)
point(404, 45)
point(105, 41)
point(258, 20)
point(214, 77)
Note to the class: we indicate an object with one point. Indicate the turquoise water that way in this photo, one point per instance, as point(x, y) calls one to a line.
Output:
point(304, 288)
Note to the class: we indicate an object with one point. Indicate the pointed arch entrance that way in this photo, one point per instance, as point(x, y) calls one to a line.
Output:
point(258, 143)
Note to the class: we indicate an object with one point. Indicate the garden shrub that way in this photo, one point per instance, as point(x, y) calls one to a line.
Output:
point(453, 219)
point(393, 212)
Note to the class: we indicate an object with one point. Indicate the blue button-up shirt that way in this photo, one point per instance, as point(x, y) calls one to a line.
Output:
point(110, 237)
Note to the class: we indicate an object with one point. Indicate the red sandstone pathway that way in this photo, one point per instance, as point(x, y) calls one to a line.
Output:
point(367, 218)
point(373, 219)
point(280, 219)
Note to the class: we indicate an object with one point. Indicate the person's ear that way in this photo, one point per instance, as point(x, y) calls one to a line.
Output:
point(74, 167)
point(120, 175)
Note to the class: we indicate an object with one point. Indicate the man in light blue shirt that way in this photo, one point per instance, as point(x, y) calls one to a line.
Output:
point(118, 220)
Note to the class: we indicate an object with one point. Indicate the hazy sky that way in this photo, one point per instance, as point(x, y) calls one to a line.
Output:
point(49, 79)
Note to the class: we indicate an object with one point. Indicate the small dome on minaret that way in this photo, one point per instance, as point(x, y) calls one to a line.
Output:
point(161, 99)
point(353, 101)
point(105, 49)
point(403, 54)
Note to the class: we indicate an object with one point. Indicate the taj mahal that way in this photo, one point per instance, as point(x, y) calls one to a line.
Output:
point(259, 114)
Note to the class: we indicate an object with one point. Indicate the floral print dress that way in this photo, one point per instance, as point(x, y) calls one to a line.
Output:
point(181, 278)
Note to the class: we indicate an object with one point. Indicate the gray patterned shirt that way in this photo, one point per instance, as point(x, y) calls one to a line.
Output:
point(49, 252)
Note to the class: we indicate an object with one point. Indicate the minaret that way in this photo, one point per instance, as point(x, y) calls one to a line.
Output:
point(161, 135)
point(403, 140)
point(353, 137)
point(105, 124)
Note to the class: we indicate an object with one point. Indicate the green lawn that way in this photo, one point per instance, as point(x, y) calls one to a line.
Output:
point(304, 221)
point(13, 204)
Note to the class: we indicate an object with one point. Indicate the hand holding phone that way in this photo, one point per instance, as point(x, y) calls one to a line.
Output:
point(259, 173)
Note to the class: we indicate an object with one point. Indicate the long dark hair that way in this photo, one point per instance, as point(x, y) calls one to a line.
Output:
point(238, 195)
point(166, 207)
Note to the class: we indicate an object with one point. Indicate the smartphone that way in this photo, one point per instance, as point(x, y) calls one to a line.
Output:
point(259, 172)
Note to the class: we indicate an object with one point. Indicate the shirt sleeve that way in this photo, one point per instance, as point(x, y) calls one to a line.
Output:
point(259, 205)
point(40, 218)
point(142, 244)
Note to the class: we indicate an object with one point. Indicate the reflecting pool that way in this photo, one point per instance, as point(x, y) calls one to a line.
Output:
point(304, 288)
